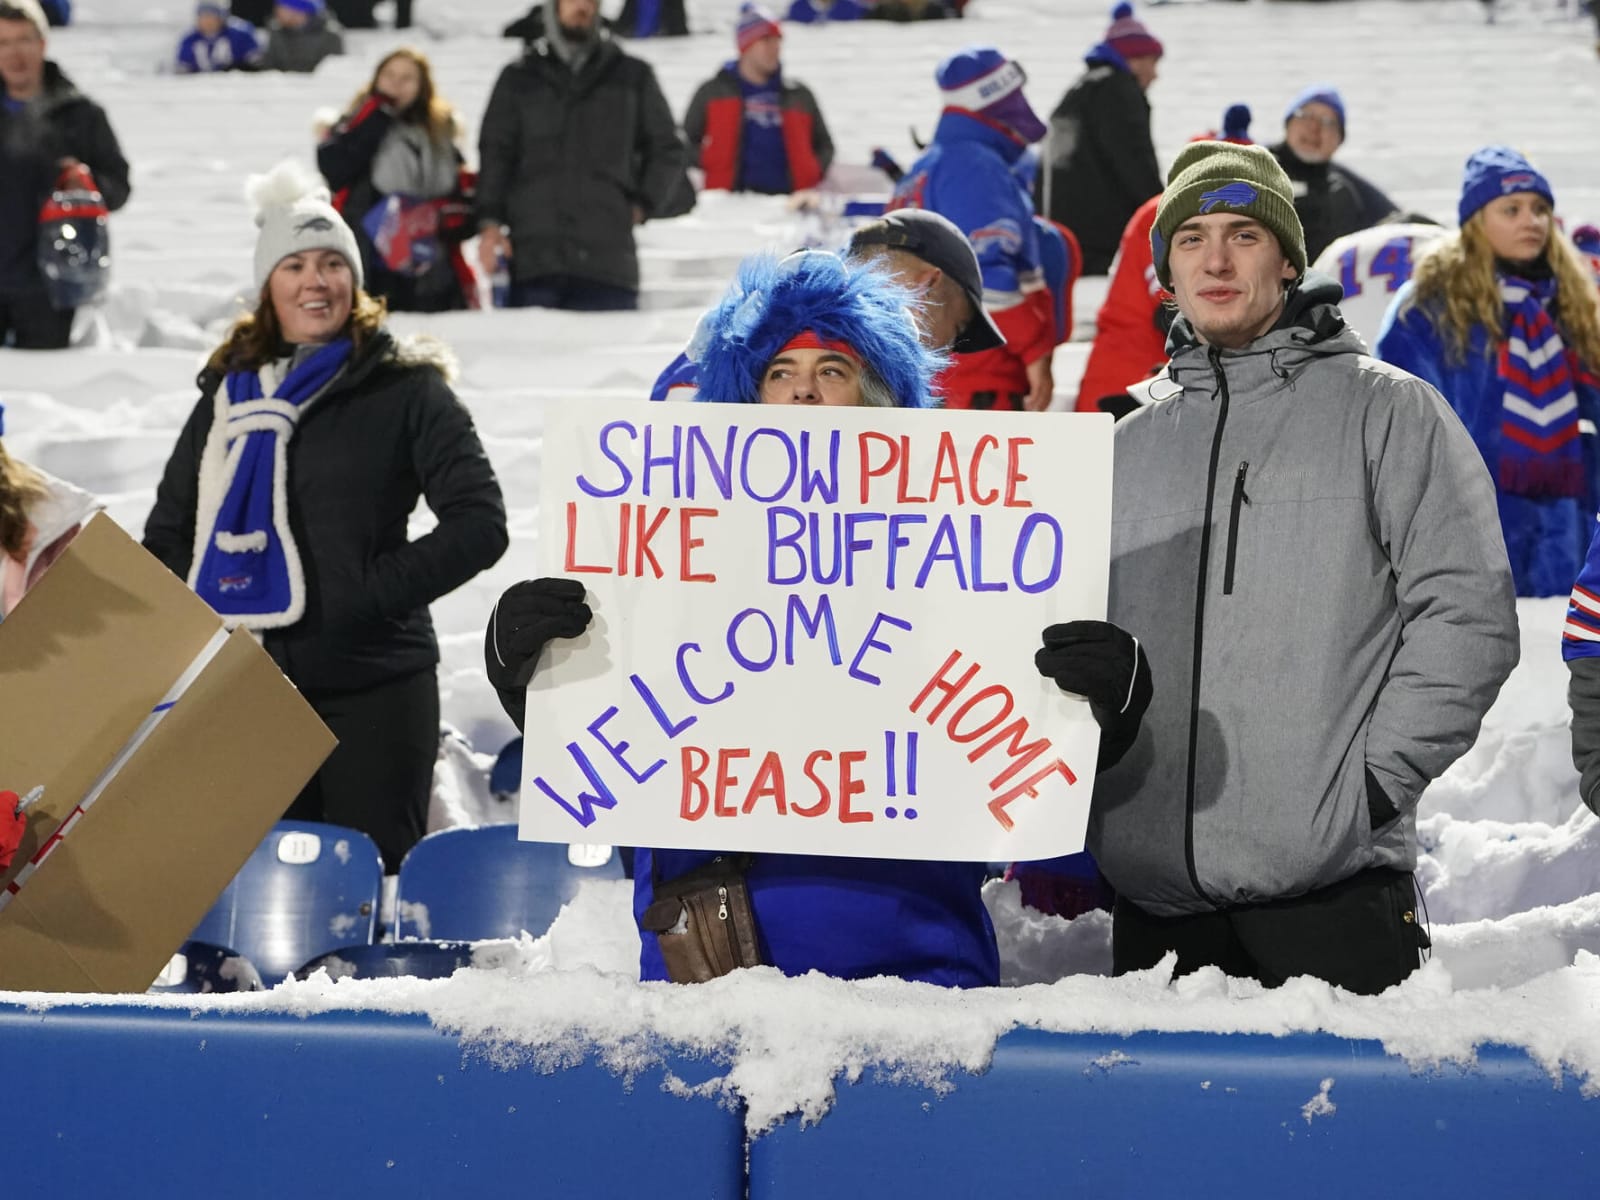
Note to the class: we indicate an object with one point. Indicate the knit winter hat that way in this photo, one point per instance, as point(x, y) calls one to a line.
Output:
point(294, 215)
point(755, 23)
point(1318, 93)
point(980, 79)
point(215, 8)
point(25, 10)
point(1209, 177)
point(1495, 171)
point(1128, 36)
point(311, 8)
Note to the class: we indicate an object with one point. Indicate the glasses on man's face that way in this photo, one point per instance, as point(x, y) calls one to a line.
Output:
point(1315, 118)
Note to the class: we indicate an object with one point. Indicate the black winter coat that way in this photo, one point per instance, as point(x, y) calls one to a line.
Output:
point(1099, 163)
point(1331, 200)
point(564, 157)
point(61, 123)
point(385, 432)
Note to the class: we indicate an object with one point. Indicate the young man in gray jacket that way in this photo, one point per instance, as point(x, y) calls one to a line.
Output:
point(1306, 546)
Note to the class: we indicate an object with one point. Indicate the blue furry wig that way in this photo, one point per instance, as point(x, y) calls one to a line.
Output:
point(771, 301)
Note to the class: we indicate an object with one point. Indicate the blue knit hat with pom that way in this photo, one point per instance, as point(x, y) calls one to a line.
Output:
point(772, 301)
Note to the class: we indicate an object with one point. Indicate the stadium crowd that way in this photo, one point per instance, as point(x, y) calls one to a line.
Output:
point(1253, 811)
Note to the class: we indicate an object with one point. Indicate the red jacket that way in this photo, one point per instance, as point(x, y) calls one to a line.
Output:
point(714, 125)
point(1128, 345)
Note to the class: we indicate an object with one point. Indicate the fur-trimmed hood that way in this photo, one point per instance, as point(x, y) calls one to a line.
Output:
point(423, 350)
point(771, 301)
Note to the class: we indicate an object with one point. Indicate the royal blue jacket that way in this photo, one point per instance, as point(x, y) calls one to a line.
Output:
point(237, 47)
point(966, 174)
point(852, 918)
point(1546, 539)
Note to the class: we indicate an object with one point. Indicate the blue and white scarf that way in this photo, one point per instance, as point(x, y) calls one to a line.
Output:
point(246, 565)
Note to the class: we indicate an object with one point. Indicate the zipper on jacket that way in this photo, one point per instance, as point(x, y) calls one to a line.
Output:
point(1240, 497)
point(1215, 356)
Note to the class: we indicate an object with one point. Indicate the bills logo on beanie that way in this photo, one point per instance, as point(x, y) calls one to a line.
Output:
point(755, 23)
point(1495, 171)
point(1220, 177)
point(294, 215)
point(982, 80)
point(1128, 36)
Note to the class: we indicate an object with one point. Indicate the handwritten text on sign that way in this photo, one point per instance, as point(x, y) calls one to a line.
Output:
point(814, 629)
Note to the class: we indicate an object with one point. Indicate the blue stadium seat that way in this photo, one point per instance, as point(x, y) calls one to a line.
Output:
point(308, 888)
point(201, 967)
point(483, 883)
point(389, 960)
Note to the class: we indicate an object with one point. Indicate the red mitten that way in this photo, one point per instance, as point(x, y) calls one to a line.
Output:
point(12, 825)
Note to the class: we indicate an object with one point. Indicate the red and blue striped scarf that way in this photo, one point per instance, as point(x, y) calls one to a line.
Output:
point(1541, 454)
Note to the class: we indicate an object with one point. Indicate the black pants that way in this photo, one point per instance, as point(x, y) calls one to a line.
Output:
point(29, 323)
point(380, 776)
point(1360, 934)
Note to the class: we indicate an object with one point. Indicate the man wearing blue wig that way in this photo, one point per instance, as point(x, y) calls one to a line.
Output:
point(809, 329)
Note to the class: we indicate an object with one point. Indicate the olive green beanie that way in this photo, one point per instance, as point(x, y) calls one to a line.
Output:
point(1212, 177)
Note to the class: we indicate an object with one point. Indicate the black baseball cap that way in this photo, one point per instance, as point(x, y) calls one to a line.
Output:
point(938, 242)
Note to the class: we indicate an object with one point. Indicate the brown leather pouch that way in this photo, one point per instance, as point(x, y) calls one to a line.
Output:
point(703, 921)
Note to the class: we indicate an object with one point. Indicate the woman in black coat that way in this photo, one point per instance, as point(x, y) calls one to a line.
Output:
point(286, 501)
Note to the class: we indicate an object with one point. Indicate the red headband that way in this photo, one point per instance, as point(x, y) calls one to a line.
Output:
point(808, 340)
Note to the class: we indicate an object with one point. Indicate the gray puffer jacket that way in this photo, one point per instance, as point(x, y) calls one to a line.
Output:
point(1305, 542)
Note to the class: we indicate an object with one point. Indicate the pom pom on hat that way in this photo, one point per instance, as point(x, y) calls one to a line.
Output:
point(1495, 171)
point(1128, 36)
point(1236, 124)
point(29, 11)
point(755, 23)
point(294, 213)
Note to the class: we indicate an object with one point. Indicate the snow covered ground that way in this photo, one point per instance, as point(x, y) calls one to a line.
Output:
point(1512, 869)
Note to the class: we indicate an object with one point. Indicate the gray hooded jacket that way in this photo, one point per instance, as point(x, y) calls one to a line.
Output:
point(1305, 542)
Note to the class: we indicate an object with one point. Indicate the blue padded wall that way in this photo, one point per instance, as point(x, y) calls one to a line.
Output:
point(1197, 1115)
point(139, 1102)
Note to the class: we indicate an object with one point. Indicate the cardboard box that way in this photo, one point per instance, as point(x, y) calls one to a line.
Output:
point(182, 745)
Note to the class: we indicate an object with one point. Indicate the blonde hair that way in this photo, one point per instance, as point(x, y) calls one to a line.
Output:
point(21, 487)
point(256, 338)
point(1455, 283)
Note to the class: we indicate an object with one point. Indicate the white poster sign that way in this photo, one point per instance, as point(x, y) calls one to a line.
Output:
point(814, 629)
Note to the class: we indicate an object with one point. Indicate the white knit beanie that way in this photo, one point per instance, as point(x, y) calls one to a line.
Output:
point(294, 214)
point(29, 11)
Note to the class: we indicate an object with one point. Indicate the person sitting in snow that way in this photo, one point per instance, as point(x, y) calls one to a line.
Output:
point(218, 42)
point(1332, 200)
point(301, 36)
point(814, 12)
point(827, 332)
point(752, 130)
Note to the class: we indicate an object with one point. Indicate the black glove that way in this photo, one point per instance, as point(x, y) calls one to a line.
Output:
point(1105, 665)
point(526, 617)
